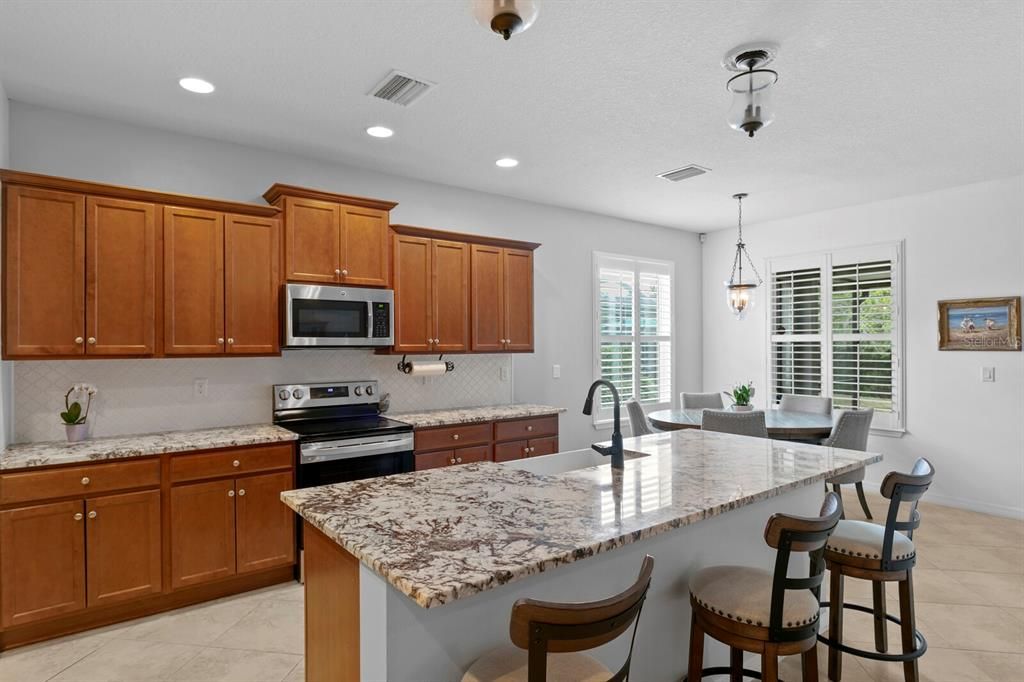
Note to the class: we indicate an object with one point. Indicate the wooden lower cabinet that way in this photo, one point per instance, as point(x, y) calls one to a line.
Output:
point(519, 449)
point(202, 532)
point(42, 562)
point(500, 441)
point(264, 526)
point(123, 547)
point(442, 458)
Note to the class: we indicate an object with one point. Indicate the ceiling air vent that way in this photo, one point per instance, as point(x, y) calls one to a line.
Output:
point(684, 173)
point(400, 88)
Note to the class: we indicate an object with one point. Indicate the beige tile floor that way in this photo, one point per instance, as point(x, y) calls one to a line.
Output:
point(969, 587)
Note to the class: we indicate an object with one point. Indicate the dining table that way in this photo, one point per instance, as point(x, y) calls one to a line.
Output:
point(781, 424)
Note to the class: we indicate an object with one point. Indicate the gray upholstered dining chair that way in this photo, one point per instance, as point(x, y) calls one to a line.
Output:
point(814, 404)
point(740, 423)
point(711, 401)
point(639, 425)
point(850, 431)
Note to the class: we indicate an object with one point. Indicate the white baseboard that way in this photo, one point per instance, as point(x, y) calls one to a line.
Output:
point(963, 503)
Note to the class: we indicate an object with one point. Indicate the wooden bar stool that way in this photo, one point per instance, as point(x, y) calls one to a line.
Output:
point(881, 554)
point(748, 609)
point(541, 628)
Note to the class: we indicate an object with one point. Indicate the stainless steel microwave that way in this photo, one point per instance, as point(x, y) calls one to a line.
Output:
point(332, 316)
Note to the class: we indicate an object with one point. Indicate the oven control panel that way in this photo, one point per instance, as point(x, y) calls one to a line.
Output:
point(326, 394)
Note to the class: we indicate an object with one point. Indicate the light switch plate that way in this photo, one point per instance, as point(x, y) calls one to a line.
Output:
point(556, 371)
point(988, 373)
point(200, 388)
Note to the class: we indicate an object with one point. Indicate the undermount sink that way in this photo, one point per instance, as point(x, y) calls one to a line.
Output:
point(560, 462)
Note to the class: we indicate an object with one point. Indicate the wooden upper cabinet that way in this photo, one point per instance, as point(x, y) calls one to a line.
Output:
point(488, 298)
point(518, 284)
point(414, 326)
point(124, 547)
point(265, 526)
point(42, 562)
point(121, 261)
point(193, 281)
point(202, 532)
point(364, 247)
point(312, 240)
point(44, 265)
point(251, 284)
point(450, 293)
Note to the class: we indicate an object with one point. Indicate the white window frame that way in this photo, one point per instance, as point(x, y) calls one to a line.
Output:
point(603, 416)
point(896, 425)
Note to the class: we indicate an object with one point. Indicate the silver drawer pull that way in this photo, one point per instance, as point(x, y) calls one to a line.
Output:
point(241, 492)
point(452, 461)
point(236, 464)
point(78, 516)
point(455, 436)
point(529, 428)
point(459, 460)
point(231, 493)
point(92, 515)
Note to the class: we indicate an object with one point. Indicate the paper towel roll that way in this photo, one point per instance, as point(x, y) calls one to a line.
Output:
point(428, 369)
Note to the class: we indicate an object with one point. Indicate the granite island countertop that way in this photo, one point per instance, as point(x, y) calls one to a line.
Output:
point(50, 453)
point(470, 415)
point(445, 534)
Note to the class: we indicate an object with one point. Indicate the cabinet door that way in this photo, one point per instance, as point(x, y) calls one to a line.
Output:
point(479, 453)
point(487, 298)
point(265, 526)
point(193, 281)
point(120, 289)
point(123, 541)
point(543, 446)
point(450, 295)
point(414, 327)
point(42, 562)
point(518, 276)
point(364, 246)
point(202, 532)
point(434, 460)
point(251, 284)
point(312, 233)
point(516, 449)
point(44, 262)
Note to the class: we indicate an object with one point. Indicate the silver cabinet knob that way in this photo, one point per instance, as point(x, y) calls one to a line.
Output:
point(526, 450)
point(344, 273)
point(459, 460)
point(337, 271)
point(92, 514)
point(79, 340)
point(230, 340)
point(452, 461)
point(220, 340)
point(533, 449)
point(241, 492)
point(529, 428)
point(78, 516)
point(236, 464)
point(85, 480)
point(455, 436)
point(231, 493)
point(92, 340)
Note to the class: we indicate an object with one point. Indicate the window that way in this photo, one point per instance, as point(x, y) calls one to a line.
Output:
point(835, 329)
point(633, 330)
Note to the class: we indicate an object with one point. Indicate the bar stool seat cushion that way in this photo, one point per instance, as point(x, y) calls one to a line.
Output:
point(744, 594)
point(864, 540)
point(509, 664)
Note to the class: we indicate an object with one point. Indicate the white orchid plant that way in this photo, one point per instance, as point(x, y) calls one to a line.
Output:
point(73, 412)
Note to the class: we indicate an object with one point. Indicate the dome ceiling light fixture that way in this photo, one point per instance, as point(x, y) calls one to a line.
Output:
point(740, 294)
point(505, 17)
point(752, 107)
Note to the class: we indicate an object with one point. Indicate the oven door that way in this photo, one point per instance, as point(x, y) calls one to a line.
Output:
point(353, 459)
point(337, 316)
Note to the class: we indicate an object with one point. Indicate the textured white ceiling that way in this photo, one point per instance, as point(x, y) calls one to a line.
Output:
point(875, 99)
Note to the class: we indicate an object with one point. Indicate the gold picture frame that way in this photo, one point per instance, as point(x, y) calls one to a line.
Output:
point(980, 324)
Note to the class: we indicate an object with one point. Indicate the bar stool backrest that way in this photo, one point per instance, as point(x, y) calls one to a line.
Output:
point(788, 534)
point(541, 627)
point(900, 489)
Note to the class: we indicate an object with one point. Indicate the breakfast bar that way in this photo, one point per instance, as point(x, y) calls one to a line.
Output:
point(412, 576)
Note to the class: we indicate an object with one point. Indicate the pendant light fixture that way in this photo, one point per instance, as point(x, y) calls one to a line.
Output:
point(752, 108)
point(740, 294)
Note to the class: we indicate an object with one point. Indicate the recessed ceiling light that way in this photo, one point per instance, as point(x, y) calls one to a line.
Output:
point(197, 85)
point(506, 162)
point(379, 131)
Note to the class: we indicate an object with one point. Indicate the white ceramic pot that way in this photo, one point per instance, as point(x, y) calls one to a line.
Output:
point(76, 432)
point(742, 408)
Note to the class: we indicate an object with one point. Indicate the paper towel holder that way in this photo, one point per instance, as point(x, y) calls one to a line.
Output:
point(405, 367)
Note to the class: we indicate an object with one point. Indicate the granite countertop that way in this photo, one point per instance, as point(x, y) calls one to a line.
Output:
point(470, 415)
point(445, 534)
point(49, 453)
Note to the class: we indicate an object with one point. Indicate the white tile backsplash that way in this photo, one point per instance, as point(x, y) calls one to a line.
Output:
point(137, 396)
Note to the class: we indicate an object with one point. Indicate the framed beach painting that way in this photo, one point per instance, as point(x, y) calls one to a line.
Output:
point(980, 324)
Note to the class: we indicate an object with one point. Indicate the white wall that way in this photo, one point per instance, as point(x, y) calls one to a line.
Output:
point(964, 242)
point(5, 367)
point(61, 143)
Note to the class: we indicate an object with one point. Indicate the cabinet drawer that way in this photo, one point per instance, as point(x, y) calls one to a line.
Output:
point(83, 480)
point(231, 462)
point(526, 428)
point(506, 452)
point(543, 446)
point(452, 436)
point(443, 458)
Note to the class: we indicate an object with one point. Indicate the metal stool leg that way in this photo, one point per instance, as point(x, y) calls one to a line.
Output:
point(878, 603)
point(835, 625)
point(864, 501)
point(910, 673)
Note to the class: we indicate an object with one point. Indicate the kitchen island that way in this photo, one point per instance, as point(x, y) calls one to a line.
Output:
point(411, 577)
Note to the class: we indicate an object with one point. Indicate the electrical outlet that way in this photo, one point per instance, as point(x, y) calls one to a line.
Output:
point(200, 388)
point(556, 371)
point(503, 373)
point(988, 373)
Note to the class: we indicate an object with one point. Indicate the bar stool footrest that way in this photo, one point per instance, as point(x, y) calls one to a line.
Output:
point(920, 643)
point(726, 670)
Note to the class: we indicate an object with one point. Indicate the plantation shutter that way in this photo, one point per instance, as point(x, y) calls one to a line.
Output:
point(796, 332)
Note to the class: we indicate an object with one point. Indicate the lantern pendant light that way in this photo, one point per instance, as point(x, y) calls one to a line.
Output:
point(740, 294)
point(752, 108)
